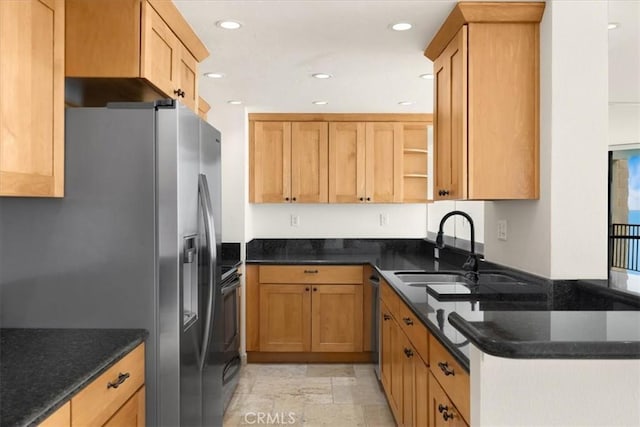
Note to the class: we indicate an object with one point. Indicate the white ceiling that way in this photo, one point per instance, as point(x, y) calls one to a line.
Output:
point(269, 61)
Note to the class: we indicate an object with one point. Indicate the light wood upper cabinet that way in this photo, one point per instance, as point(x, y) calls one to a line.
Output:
point(203, 108)
point(337, 159)
point(309, 156)
point(289, 162)
point(346, 162)
point(486, 68)
point(384, 162)
point(131, 50)
point(32, 98)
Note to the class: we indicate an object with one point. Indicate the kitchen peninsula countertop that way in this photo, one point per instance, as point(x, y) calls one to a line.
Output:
point(41, 369)
point(553, 319)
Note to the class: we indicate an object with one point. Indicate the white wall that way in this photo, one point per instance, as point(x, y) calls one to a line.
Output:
point(547, 392)
point(232, 122)
point(564, 234)
point(338, 220)
point(624, 124)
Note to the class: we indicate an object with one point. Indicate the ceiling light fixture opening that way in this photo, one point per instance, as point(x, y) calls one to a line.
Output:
point(405, 103)
point(228, 24)
point(320, 102)
point(401, 26)
point(322, 75)
point(613, 25)
point(214, 75)
point(234, 102)
point(426, 76)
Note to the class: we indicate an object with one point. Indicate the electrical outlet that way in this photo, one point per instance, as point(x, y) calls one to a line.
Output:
point(502, 229)
point(295, 220)
point(384, 219)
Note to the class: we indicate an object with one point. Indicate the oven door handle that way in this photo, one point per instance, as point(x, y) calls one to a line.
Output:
point(233, 286)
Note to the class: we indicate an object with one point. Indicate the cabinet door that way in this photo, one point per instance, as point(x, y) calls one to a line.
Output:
point(408, 379)
point(346, 162)
point(161, 51)
point(421, 393)
point(450, 120)
point(60, 418)
point(32, 98)
point(384, 162)
point(188, 82)
point(309, 162)
point(385, 322)
point(397, 359)
point(285, 317)
point(270, 171)
point(336, 318)
point(441, 411)
point(131, 414)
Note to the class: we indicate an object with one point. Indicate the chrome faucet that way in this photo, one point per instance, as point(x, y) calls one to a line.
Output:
point(471, 264)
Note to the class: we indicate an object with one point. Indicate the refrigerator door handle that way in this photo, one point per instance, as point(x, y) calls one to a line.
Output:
point(210, 238)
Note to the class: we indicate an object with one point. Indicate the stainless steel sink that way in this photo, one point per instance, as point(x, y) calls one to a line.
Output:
point(422, 279)
point(496, 278)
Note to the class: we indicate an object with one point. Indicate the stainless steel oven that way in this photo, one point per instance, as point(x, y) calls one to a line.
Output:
point(228, 334)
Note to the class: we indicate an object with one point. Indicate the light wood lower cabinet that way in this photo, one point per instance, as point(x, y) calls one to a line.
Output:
point(424, 385)
point(441, 411)
point(306, 309)
point(115, 398)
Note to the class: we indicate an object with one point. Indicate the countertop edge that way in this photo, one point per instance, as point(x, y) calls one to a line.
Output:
point(75, 388)
point(551, 350)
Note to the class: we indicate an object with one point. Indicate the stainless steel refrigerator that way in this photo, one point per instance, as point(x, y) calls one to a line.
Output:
point(133, 244)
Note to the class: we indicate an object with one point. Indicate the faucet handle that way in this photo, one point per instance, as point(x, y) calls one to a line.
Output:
point(471, 264)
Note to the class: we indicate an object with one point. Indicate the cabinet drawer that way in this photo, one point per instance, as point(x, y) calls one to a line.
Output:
point(441, 411)
point(97, 402)
point(415, 330)
point(390, 298)
point(453, 379)
point(345, 274)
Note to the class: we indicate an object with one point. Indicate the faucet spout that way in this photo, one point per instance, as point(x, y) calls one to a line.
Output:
point(471, 264)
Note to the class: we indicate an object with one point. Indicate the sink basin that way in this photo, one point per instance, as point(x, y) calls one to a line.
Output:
point(423, 279)
point(496, 278)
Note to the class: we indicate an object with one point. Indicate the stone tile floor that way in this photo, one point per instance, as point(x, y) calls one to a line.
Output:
point(308, 395)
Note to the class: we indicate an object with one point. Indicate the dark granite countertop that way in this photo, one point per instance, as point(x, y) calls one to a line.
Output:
point(538, 318)
point(41, 369)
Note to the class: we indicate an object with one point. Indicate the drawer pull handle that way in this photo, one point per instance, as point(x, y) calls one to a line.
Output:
point(444, 367)
point(310, 271)
point(447, 416)
point(442, 408)
point(386, 317)
point(121, 378)
point(407, 321)
point(408, 352)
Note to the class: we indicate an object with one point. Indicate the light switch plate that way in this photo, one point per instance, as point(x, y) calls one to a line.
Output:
point(295, 220)
point(502, 229)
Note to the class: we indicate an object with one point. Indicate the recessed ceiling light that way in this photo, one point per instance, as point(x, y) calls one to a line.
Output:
point(426, 76)
point(613, 25)
point(401, 26)
point(321, 75)
point(406, 103)
point(214, 75)
point(320, 102)
point(229, 25)
point(234, 102)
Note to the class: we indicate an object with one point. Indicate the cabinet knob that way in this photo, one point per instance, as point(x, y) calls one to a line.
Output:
point(444, 367)
point(294, 199)
point(315, 289)
point(368, 199)
point(179, 92)
point(445, 192)
point(306, 289)
point(407, 321)
point(286, 198)
point(408, 352)
point(386, 317)
point(447, 416)
point(442, 408)
point(362, 199)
